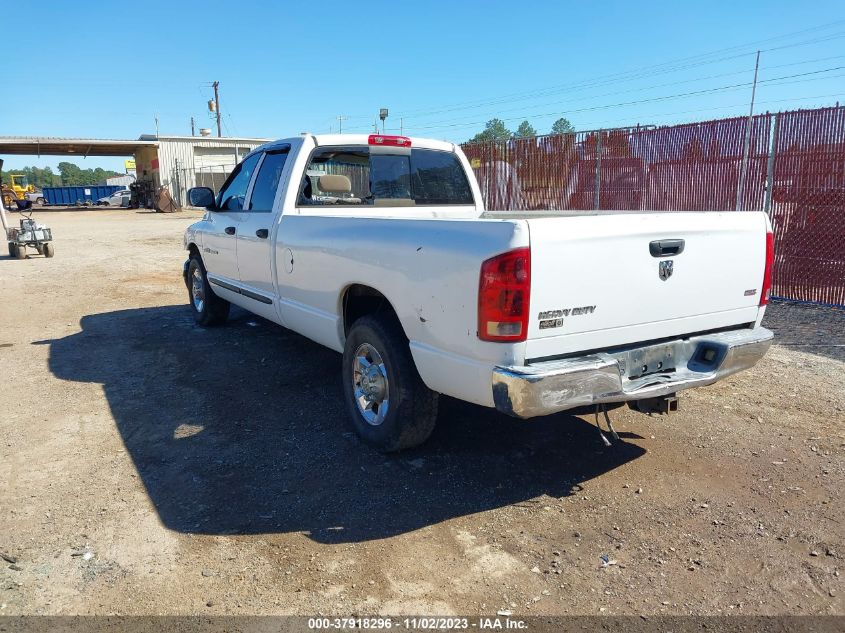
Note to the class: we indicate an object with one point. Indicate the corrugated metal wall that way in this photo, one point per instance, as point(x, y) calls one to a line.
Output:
point(180, 159)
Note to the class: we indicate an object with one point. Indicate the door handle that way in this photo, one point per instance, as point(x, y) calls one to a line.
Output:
point(262, 233)
point(230, 230)
point(664, 248)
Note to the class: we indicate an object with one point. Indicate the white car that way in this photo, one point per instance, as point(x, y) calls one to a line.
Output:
point(117, 199)
point(379, 247)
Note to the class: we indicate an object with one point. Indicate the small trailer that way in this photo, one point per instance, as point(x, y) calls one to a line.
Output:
point(30, 233)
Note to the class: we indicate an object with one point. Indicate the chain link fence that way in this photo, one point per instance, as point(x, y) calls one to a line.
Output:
point(790, 164)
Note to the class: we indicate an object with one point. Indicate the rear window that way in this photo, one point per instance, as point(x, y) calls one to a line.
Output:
point(353, 176)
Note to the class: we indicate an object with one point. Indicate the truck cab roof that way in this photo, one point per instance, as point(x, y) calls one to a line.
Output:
point(352, 139)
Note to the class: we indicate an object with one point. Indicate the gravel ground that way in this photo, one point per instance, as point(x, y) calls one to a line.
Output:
point(153, 467)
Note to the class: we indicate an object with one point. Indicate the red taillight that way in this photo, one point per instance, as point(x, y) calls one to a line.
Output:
point(503, 292)
point(767, 274)
point(389, 141)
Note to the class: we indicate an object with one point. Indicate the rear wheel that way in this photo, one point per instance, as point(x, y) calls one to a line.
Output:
point(20, 251)
point(49, 249)
point(11, 249)
point(208, 308)
point(388, 404)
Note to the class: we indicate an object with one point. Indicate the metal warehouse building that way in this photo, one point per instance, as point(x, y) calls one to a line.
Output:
point(176, 162)
point(182, 162)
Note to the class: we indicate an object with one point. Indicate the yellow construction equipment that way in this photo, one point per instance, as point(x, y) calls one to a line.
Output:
point(17, 189)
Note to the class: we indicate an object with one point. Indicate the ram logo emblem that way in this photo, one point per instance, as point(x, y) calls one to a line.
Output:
point(665, 269)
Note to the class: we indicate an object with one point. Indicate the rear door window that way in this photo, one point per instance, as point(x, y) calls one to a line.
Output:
point(425, 177)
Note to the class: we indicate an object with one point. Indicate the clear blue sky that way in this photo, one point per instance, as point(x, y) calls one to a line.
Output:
point(105, 70)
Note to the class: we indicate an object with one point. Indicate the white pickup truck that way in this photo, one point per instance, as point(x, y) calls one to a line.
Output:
point(379, 247)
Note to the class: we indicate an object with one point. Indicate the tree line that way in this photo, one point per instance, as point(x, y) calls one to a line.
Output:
point(496, 130)
point(70, 175)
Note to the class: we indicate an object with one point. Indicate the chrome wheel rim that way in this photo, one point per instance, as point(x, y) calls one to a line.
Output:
point(197, 289)
point(370, 384)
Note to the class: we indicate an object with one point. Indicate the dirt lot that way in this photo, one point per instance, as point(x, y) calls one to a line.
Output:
point(150, 466)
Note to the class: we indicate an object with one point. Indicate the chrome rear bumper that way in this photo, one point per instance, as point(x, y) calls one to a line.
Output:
point(619, 376)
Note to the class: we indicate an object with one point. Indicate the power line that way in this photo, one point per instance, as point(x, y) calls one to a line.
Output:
point(662, 68)
point(643, 119)
point(640, 101)
point(644, 88)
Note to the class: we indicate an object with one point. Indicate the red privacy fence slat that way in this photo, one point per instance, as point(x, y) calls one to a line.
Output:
point(795, 170)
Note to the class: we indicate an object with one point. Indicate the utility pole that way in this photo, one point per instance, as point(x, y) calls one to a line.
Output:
point(340, 120)
point(401, 126)
point(193, 129)
point(216, 85)
point(740, 189)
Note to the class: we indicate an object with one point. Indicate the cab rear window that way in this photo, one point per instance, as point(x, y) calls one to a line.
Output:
point(354, 176)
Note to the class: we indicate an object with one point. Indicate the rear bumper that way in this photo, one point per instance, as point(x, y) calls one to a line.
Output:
point(605, 377)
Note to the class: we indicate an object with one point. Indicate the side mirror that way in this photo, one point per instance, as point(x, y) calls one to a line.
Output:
point(202, 197)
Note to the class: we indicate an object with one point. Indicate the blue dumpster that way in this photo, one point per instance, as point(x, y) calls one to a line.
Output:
point(78, 195)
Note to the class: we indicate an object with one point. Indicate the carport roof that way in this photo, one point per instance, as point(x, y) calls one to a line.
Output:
point(55, 146)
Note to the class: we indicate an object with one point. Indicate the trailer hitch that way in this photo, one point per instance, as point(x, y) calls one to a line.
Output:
point(663, 405)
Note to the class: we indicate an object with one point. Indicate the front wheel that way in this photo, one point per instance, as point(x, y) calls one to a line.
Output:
point(208, 308)
point(388, 404)
point(48, 249)
point(20, 251)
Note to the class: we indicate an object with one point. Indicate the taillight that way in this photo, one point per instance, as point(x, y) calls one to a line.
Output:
point(503, 292)
point(767, 273)
point(389, 141)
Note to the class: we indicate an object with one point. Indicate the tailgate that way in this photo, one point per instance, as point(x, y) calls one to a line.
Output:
point(614, 279)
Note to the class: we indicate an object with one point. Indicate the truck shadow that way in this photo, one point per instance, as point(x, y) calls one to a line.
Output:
point(241, 430)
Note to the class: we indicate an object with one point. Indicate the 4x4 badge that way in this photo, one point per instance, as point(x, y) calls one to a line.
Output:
point(665, 269)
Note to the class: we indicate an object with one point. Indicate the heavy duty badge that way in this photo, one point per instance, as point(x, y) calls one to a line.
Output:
point(665, 269)
point(554, 318)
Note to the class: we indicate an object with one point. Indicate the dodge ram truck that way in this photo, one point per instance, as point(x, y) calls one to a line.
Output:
point(379, 247)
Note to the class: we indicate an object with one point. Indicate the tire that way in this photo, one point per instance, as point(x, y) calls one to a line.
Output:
point(49, 249)
point(209, 309)
point(411, 406)
point(12, 248)
point(40, 201)
point(20, 251)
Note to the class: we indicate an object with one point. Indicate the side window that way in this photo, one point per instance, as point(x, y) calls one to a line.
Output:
point(233, 192)
point(267, 181)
